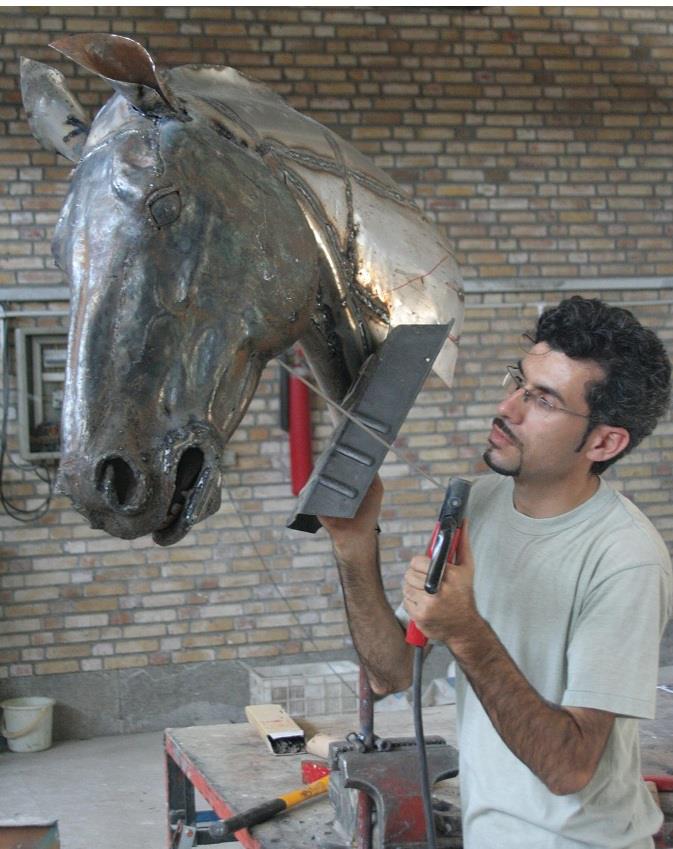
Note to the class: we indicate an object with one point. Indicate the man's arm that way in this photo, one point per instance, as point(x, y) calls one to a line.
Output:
point(562, 746)
point(377, 635)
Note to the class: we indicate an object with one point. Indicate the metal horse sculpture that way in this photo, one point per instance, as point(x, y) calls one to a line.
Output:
point(209, 226)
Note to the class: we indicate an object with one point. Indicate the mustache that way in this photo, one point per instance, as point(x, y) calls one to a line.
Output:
point(501, 425)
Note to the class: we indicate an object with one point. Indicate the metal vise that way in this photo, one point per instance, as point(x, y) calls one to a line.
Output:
point(389, 774)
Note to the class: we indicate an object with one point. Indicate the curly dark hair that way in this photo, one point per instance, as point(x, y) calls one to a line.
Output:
point(636, 390)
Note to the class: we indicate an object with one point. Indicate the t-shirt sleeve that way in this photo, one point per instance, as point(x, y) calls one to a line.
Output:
point(613, 656)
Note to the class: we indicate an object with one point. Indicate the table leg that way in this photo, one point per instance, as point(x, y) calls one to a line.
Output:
point(180, 795)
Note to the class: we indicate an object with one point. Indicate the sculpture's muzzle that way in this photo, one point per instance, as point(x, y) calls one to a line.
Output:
point(163, 492)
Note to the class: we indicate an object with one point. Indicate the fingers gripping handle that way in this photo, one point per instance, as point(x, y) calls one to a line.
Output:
point(443, 545)
point(415, 637)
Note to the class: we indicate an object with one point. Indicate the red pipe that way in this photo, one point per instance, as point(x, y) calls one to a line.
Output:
point(301, 456)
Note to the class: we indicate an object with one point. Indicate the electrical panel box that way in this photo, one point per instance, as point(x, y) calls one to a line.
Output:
point(40, 368)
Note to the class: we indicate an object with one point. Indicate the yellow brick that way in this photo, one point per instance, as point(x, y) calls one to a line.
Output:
point(225, 653)
point(56, 667)
point(125, 662)
point(455, 191)
point(60, 652)
point(94, 605)
point(193, 656)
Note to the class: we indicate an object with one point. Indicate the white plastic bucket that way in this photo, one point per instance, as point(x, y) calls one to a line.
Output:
point(27, 722)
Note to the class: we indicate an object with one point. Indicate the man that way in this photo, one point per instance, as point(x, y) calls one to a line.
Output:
point(556, 606)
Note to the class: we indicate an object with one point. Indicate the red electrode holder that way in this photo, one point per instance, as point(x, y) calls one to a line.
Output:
point(443, 545)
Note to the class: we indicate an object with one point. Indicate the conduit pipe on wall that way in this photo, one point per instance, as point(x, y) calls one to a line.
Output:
point(295, 415)
point(301, 455)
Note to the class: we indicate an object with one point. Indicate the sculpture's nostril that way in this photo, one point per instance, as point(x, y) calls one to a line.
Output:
point(189, 468)
point(117, 481)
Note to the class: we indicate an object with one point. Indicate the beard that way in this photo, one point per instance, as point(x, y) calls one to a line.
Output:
point(508, 471)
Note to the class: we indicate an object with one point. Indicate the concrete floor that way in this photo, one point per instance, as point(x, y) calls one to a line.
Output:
point(109, 792)
point(105, 793)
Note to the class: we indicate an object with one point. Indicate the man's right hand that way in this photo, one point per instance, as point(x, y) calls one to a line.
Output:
point(347, 532)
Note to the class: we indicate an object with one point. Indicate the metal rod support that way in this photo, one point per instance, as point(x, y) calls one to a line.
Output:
point(366, 717)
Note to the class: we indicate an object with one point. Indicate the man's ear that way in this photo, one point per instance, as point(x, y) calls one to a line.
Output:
point(606, 442)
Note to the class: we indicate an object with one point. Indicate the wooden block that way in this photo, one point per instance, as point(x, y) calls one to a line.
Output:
point(38, 835)
point(277, 728)
point(318, 745)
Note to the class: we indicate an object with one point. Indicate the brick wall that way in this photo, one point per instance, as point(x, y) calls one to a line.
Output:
point(539, 139)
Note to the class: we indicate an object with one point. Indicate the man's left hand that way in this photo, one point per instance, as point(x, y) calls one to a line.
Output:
point(451, 611)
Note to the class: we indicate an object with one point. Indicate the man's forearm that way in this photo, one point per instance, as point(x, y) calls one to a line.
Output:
point(377, 635)
point(560, 747)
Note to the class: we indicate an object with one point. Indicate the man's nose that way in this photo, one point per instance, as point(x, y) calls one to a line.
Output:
point(512, 406)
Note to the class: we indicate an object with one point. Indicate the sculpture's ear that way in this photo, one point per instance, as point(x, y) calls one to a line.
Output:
point(126, 66)
point(56, 119)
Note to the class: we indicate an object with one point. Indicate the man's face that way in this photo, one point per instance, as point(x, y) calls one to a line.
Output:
point(530, 441)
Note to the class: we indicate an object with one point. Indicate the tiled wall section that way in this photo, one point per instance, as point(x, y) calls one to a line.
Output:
point(540, 139)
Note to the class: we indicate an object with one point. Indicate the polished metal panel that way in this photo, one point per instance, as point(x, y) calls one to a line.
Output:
point(208, 226)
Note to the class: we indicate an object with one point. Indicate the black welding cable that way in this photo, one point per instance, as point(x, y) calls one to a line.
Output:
point(426, 790)
point(20, 514)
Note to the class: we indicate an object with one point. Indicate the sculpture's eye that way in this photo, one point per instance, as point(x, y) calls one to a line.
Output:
point(165, 208)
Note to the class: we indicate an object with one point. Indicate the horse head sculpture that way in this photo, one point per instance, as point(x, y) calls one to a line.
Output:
point(209, 226)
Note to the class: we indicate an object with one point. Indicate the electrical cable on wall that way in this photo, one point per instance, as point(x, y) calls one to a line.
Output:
point(43, 473)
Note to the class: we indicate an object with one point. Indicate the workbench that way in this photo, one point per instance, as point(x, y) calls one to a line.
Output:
point(231, 767)
point(233, 770)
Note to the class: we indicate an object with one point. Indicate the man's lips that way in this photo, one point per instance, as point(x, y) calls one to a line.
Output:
point(501, 435)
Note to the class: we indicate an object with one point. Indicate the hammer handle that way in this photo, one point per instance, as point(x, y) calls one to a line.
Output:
point(262, 813)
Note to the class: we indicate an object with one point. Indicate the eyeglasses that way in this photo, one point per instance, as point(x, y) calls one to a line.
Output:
point(514, 381)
